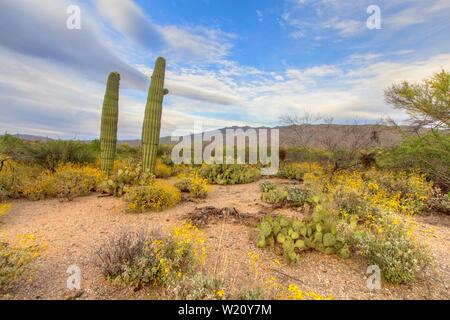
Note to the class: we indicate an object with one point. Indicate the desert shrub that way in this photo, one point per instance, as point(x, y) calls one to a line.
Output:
point(15, 258)
point(297, 196)
point(141, 259)
point(154, 197)
point(198, 287)
point(125, 151)
point(297, 170)
point(16, 148)
point(290, 196)
point(184, 183)
point(125, 174)
point(199, 187)
point(429, 153)
point(274, 196)
point(251, 294)
point(229, 173)
point(13, 178)
point(400, 192)
point(399, 256)
point(439, 203)
point(267, 186)
point(52, 153)
point(67, 182)
point(163, 170)
point(194, 184)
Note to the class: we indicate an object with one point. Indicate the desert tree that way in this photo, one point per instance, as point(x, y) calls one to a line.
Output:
point(346, 145)
point(427, 103)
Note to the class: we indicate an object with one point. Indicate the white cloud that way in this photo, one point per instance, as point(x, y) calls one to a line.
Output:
point(196, 44)
point(178, 43)
point(259, 16)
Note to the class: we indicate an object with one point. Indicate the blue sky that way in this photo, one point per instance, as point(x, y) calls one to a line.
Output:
point(228, 62)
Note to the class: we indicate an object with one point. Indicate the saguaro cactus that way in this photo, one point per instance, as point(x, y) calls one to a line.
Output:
point(108, 128)
point(152, 120)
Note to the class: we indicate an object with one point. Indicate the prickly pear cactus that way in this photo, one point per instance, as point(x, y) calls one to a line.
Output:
point(108, 127)
point(152, 120)
point(294, 235)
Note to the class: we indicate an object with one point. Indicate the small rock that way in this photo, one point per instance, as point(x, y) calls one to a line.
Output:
point(74, 294)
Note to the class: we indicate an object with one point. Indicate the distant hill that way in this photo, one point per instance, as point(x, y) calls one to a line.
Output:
point(317, 136)
point(30, 137)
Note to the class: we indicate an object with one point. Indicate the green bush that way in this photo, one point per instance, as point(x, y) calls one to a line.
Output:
point(297, 197)
point(267, 186)
point(48, 154)
point(198, 287)
point(397, 255)
point(16, 148)
point(429, 153)
point(274, 196)
point(52, 153)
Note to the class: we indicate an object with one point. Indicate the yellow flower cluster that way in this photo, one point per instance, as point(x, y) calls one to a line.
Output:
point(68, 180)
point(396, 192)
point(193, 183)
point(162, 170)
point(293, 292)
point(156, 197)
point(4, 208)
point(189, 235)
point(15, 256)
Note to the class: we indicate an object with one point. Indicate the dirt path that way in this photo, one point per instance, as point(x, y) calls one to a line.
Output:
point(74, 229)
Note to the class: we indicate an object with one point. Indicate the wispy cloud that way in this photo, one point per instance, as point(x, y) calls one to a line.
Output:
point(52, 79)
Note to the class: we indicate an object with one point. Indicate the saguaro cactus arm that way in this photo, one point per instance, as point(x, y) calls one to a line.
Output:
point(152, 120)
point(108, 127)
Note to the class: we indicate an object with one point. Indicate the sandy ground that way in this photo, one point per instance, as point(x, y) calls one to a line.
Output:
point(73, 230)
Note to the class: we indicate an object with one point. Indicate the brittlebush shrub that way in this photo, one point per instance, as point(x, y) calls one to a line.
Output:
point(148, 259)
point(224, 174)
point(194, 184)
point(198, 287)
point(162, 170)
point(398, 192)
point(13, 178)
point(392, 248)
point(15, 258)
point(67, 182)
point(155, 197)
point(297, 170)
point(429, 154)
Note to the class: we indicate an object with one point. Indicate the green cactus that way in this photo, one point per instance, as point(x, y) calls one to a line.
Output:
point(152, 121)
point(108, 127)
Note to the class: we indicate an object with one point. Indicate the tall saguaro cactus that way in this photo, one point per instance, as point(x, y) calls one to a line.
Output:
point(108, 128)
point(152, 121)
